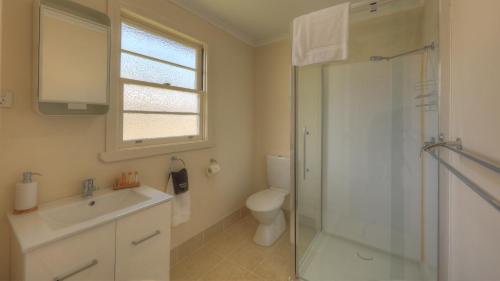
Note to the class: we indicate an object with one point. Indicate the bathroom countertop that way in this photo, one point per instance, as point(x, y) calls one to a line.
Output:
point(32, 230)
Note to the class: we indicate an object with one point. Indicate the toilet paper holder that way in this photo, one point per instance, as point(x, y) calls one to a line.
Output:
point(213, 168)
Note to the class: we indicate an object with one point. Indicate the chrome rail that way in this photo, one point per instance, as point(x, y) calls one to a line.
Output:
point(457, 148)
point(471, 157)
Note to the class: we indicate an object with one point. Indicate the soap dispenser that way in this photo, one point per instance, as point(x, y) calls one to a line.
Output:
point(26, 198)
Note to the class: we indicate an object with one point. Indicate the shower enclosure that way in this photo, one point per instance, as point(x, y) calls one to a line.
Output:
point(366, 198)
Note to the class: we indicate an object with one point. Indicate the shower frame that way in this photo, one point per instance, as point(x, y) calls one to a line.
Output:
point(435, 45)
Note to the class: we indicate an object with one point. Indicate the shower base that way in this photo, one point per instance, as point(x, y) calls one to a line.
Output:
point(332, 258)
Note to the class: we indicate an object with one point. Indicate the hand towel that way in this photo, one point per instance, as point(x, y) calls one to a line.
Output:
point(181, 205)
point(321, 36)
point(181, 208)
point(180, 181)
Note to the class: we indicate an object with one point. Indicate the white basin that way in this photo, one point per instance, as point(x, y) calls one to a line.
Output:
point(66, 217)
point(87, 209)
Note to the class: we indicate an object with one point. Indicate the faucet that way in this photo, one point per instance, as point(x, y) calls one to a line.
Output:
point(88, 188)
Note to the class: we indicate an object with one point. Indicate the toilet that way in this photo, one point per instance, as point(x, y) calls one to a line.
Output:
point(266, 205)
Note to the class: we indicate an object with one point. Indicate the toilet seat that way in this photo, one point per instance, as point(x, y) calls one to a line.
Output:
point(266, 200)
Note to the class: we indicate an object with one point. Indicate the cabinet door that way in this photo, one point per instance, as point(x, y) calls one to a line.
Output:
point(143, 245)
point(88, 256)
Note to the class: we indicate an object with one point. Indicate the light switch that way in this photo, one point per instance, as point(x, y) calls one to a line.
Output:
point(6, 99)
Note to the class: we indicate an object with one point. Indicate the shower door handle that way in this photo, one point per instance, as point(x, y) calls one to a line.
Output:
point(305, 169)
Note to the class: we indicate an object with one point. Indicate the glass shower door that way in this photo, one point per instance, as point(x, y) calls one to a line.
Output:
point(308, 158)
point(366, 200)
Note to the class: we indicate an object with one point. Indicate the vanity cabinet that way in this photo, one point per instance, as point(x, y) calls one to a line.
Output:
point(142, 245)
point(132, 247)
point(92, 252)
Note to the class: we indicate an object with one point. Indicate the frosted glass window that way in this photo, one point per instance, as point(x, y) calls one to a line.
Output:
point(142, 98)
point(140, 126)
point(152, 45)
point(138, 68)
point(162, 87)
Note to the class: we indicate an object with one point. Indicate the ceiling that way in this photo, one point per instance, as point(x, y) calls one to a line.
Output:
point(256, 22)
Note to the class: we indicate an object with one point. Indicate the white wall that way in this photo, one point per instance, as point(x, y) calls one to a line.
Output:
point(474, 99)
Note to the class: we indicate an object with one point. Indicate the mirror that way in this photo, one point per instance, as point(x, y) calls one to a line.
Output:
point(72, 51)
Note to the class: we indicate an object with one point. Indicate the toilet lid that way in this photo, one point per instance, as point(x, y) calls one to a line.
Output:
point(265, 200)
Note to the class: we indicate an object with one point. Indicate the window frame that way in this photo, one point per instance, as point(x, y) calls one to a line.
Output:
point(199, 86)
point(118, 149)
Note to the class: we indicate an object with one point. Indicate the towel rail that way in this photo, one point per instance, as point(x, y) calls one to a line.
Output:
point(457, 148)
point(471, 157)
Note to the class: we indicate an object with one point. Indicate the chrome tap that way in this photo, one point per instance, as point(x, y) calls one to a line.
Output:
point(88, 188)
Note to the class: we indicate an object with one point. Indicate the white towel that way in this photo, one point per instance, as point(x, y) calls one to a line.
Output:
point(321, 36)
point(181, 211)
point(181, 206)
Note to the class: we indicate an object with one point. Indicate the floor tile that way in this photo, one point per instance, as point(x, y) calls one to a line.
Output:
point(225, 244)
point(249, 255)
point(274, 267)
point(231, 255)
point(196, 264)
point(228, 271)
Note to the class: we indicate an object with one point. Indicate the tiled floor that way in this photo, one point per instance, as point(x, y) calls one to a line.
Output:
point(233, 256)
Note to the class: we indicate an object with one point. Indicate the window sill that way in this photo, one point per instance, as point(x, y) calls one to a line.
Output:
point(153, 150)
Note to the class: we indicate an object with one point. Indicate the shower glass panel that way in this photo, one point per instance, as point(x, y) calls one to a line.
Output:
point(366, 200)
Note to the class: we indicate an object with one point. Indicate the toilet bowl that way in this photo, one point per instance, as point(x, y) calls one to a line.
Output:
point(266, 205)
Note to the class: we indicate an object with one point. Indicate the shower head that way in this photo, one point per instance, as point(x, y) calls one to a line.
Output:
point(378, 58)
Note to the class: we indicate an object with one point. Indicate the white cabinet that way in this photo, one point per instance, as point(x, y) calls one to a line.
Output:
point(133, 247)
point(91, 254)
point(142, 245)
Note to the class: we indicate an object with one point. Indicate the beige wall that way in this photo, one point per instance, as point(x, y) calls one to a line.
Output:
point(272, 106)
point(470, 72)
point(65, 150)
point(385, 35)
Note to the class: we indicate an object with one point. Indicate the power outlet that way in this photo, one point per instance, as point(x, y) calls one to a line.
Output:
point(6, 99)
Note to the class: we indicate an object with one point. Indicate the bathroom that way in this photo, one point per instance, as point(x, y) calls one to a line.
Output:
point(340, 136)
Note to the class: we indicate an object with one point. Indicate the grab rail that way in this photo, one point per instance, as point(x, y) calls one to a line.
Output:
point(457, 148)
point(469, 156)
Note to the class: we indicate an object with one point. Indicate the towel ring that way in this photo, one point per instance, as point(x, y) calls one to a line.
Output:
point(175, 159)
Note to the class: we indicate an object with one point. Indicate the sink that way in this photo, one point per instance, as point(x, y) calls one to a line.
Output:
point(81, 210)
point(66, 217)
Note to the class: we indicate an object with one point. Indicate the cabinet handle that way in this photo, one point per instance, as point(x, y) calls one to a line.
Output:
point(137, 242)
point(85, 267)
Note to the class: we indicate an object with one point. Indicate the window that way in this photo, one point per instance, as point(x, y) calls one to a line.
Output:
point(162, 87)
